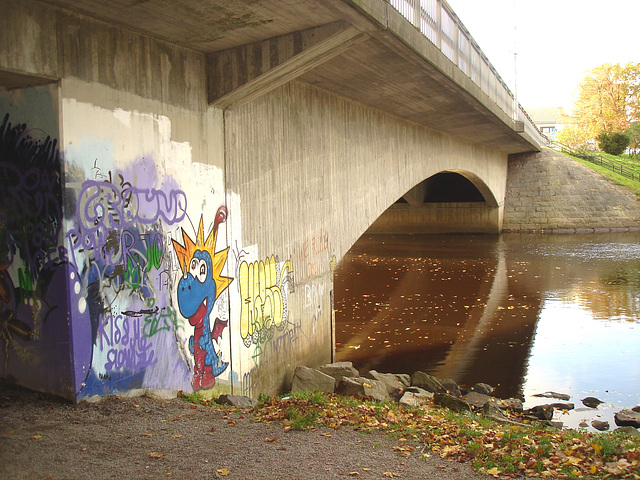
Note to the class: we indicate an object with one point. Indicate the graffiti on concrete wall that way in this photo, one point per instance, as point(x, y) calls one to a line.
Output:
point(120, 226)
point(118, 240)
point(264, 287)
point(201, 284)
point(266, 327)
point(32, 259)
point(110, 260)
point(309, 253)
point(30, 219)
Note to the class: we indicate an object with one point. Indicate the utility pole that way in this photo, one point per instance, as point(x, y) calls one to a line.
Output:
point(516, 109)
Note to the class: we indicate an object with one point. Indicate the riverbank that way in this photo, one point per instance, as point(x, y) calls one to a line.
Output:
point(337, 437)
point(42, 437)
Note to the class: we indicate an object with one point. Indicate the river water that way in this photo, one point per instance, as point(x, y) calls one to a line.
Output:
point(525, 313)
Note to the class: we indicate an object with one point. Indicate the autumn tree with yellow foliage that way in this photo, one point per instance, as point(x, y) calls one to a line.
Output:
point(608, 99)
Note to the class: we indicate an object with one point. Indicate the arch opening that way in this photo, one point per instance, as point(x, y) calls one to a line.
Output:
point(444, 187)
point(450, 186)
point(451, 201)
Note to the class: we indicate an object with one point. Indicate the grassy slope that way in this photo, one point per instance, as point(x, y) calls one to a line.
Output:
point(631, 163)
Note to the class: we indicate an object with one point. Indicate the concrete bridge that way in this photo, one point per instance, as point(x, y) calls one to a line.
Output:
point(180, 178)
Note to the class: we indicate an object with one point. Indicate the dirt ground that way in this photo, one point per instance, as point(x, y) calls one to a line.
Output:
point(42, 437)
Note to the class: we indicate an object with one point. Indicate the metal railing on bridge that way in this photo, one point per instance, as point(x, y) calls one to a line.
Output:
point(437, 21)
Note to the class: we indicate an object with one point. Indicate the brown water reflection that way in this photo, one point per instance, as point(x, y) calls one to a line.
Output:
point(467, 307)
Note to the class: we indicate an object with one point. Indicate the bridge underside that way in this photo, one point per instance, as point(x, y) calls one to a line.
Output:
point(144, 165)
point(447, 202)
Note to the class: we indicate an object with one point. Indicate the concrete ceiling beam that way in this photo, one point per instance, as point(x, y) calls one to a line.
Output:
point(238, 75)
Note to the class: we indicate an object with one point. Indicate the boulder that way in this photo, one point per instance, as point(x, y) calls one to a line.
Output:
point(511, 404)
point(492, 410)
point(362, 388)
point(452, 403)
point(627, 418)
point(451, 387)
point(483, 388)
point(311, 380)
point(404, 379)
point(556, 395)
point(600, 425)
point(542, 412)
point(633, 432)
point(414, 399)
point(389, 380)
point(418, 390)
point(426, 381)
point(591, 402)
point(476, 400)
point(339, 369)
point(236, 401)
point(563, 406)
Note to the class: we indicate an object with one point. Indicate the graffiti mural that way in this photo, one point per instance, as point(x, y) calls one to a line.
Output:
point(198, 289)
point(119, 247)
point(121, 226)
point(109, 283)
point(264, 286)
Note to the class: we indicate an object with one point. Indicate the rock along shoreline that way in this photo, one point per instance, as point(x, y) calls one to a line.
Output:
point(421, 389)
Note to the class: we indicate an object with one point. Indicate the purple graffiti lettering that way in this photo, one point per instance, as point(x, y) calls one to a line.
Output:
point(99, 205)
point(128, 348)
point(102, 206)
point(134, 357)
point(126, 242)
point(153, 204)
point(285, 342)
point(103, 334)
point(52, 256)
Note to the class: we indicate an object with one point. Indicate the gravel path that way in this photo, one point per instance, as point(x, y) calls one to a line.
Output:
point(45, 438)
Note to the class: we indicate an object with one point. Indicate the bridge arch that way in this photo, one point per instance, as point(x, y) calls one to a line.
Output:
point(450, 186)
point(328, 164)
point(450, 201)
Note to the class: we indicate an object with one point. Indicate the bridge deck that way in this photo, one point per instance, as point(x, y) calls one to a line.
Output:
point(396, 69)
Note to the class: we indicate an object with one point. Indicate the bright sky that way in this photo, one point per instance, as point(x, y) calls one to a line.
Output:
point(557, 42)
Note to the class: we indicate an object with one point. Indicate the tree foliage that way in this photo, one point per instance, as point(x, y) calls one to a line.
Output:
point(608, 99)
point(613, 143)
point(633, 132)
point(573, 137)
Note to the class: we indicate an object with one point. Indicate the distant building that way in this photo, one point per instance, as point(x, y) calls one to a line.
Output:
point(550, 120)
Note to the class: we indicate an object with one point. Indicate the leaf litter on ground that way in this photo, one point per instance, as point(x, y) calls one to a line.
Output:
point(492, 448)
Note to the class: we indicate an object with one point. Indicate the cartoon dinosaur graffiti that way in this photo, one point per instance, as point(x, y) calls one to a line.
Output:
point(200, 286)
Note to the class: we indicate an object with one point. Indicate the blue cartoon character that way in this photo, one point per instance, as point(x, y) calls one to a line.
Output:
point(200, 286)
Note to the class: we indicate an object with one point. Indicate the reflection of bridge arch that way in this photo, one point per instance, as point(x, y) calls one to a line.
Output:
point(477, 322)
point(451, 201)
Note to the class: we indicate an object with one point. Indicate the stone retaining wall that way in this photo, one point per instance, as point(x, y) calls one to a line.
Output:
point(551, 193)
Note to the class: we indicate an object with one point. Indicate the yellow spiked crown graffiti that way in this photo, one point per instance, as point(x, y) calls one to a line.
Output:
point(185, 252)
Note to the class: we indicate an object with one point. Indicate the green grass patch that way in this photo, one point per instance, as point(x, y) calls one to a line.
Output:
point(302, 420)
point(198, 398)
point(621, 180)
point(491, 447)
